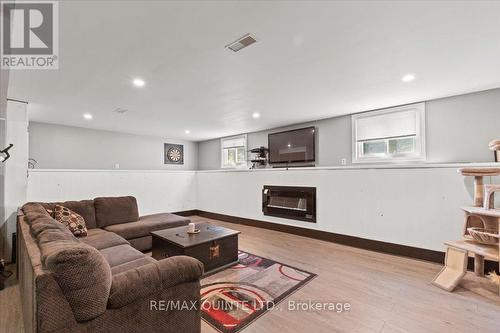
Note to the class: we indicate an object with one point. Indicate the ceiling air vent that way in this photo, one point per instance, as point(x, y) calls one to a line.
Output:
point(241, 43)
point(120, 110)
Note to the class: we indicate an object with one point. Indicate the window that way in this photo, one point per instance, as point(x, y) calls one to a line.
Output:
point(234, 152)
point(390, 135)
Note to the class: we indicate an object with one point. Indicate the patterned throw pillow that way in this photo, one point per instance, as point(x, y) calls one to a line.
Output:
point(74, 222)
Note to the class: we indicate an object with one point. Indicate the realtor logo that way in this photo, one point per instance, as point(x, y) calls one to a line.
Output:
point(29, 35)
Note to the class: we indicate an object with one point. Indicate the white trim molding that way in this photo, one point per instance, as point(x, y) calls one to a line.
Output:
point(224, 142)
point(388, 126)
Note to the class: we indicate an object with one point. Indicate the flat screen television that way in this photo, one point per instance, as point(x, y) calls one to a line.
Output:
point(292, 146)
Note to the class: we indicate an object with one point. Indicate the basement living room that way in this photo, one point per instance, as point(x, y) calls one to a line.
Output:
point(250, 166)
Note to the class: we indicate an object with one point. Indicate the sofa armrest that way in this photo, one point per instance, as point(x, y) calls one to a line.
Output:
point(142, 281)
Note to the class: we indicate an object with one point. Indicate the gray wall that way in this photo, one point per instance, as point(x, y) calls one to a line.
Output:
point(65, 147)
point(458, 129)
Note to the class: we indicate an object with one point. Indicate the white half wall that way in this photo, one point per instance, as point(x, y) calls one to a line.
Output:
point(157, 191)
point(417, 207)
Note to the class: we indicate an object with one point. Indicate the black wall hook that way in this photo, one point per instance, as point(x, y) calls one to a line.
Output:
point(6, 153)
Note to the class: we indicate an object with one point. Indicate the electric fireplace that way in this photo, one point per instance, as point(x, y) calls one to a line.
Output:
point(291, 202)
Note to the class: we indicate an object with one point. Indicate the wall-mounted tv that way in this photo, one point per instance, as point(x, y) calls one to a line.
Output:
point(292, 146)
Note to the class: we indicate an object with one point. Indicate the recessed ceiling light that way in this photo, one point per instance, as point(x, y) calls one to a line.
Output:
point(87, 116)
point(187, 131)
point(256, 115)
point(408, 78)
point(139, 82)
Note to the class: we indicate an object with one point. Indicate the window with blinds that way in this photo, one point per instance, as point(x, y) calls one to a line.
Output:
point(234, 152)
point(389, 135)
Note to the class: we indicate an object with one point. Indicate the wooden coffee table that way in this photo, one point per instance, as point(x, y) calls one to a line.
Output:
point(216, 247)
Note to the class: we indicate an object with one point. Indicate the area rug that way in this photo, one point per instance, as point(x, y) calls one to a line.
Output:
point(233, 298)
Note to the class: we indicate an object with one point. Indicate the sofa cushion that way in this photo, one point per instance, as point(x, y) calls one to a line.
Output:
point(84, 277)
point(85, 208)
point(115, 210)
point(73, 221)
point(132, 264)
point(52, 235)
point(104, 239)
point(146, 224)
point(142, 244)
point(34, 208)
point(95, 231)
point(43, 223)
point(144, 280)
point(120, 254)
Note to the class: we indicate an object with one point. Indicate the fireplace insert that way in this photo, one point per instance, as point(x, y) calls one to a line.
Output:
point(292, 202)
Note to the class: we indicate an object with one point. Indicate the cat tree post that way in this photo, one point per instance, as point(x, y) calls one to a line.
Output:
point(478, 174)
point(495, 146)
point(478, 191)
point(478, 264)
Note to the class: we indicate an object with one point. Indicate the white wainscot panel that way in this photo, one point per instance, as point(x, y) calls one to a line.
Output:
point(416, 207)
point(410, 206)
point(156, 191)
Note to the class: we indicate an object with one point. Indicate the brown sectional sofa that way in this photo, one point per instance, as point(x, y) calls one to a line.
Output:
point(102, 282)
point(120, 215)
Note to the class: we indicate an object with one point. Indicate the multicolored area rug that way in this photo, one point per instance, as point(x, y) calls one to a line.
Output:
point(233, 298)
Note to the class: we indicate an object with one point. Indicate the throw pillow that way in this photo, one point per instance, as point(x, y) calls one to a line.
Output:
point(73, 221)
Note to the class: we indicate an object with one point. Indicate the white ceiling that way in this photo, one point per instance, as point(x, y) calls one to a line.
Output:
point(313, 60)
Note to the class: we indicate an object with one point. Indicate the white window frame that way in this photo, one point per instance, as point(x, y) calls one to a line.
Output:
point(418, 156)
point(230, 166)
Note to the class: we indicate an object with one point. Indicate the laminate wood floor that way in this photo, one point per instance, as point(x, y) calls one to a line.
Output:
point(386, 293)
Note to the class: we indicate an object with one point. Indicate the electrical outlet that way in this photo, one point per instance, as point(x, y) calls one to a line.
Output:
point(343, 161)
point(117, 166)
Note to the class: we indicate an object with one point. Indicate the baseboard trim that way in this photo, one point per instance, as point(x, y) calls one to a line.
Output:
point(357, 242)
point(362, 243)
point(190, 212)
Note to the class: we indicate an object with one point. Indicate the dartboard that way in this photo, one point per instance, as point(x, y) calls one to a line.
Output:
point(174, 154)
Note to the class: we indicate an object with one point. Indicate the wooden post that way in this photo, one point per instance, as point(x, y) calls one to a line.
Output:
point(489, 195)
point(478, 265)
point(478, 191)
point(495, 147)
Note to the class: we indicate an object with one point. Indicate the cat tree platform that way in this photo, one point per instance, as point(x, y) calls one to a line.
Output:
point(490, 219)
point(478, 174)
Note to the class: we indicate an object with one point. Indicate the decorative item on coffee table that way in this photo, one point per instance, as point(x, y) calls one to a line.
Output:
point(216, 247)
